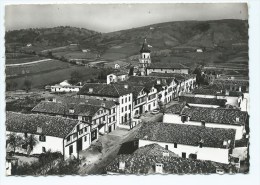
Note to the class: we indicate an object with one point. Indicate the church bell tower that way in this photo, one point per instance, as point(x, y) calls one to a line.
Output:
point(145, 59)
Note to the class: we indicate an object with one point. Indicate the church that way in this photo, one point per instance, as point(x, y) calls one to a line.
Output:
point(146, 66)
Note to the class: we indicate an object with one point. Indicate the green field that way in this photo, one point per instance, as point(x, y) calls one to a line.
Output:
point(35, 68)
point(49, 78)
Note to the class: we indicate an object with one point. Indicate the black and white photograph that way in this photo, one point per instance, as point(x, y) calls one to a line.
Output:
point(124, 88)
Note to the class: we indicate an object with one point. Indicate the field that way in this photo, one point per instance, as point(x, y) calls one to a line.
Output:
point(76, 55)
point(51, 65)
point(17, 58)
point(52, 77)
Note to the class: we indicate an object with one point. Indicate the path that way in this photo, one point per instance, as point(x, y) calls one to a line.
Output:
point(27, 63)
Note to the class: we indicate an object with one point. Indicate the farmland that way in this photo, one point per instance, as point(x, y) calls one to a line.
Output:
point(50, 65)
point(39, 80)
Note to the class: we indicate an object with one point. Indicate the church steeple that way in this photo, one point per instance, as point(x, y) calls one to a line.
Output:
point(145, 47)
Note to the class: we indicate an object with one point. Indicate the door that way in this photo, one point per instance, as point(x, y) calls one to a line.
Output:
point(183, 155)
point(79, 144)
point(70, 149)
point(109, 129)
point(114, 126)
point(93, 135)
point(141, 109)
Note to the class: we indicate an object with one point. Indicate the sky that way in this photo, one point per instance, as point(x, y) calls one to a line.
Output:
point(114, 17)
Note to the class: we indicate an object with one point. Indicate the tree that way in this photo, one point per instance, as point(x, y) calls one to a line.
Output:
point(31, 142)
point(28, 85)
point(14, 141)
point(75, 77)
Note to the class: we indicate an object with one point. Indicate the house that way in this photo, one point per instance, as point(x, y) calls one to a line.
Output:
point(154, 159)
point(199, 50)
point(202, 102)
point(58, 134)
point(208, 117)
point(237, 85)
point(120, 93)
point(118, 64)
point(233, 98)
point(65, 86)
point(189, 141)
point(170, 67)
point(117, 77)
point(29, 45)
point(81, 110)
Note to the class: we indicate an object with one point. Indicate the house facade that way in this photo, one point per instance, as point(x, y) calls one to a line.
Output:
point(65, 87)
point(57, 134)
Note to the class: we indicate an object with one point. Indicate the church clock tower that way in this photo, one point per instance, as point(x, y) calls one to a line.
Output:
point(145, 59)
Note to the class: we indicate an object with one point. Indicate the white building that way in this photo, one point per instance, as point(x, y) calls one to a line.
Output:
point(65, 86)
point(188, 141)
point(117, 77)
point(208, 117)
point(120, 93)
point(58, 134)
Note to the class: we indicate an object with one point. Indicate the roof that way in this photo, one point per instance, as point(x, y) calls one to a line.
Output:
point(62, 108)
point(233, 82)
point(173, 75)
point(206, 101)
point(168, 65)
point(28, 123)
point(145, 48)
point(209, 115)
point(145, 164)
point(215, 90)
point(154, 150)
point(104, 90)
point(186, 134)
point(216, 115)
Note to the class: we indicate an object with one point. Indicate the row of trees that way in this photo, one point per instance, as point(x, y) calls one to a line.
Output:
point(13, 85)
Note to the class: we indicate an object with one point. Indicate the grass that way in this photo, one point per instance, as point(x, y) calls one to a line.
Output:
point(35, 68)
point(52, 77)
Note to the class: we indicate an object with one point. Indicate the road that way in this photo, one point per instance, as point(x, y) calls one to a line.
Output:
point(117, 142)
point(27, 63)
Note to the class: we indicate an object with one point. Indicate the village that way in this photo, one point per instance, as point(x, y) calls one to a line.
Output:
point(150, 118)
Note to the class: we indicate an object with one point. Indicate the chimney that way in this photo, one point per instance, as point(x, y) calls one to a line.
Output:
point(225, 143)
point(237, 119)
point(126, 86)
point(39, 129)
point(90, 90)
point(121, 165)
point(158, 168)
point(158, 81)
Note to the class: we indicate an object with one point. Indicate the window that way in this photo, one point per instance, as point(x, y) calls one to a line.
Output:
point(81, 132)
point(94, 122)
point(125, 108)
point(129, 98)
point(42, 138)
point(74, 136)
point(183, 155)
point(122, 109)
point(183, 118)
point(25, 135)
point(114, 110)
point(109, 120)
point(86, 129)
point(166, 147)
point(68, 138)
point(175, 145)
point(104, 118)
point(43, 149)
point(129, 107)
point(203, 123)
point(77, 128)
point(85, 138)
point(125, 99)
point(122, 100)
point(114, 118)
